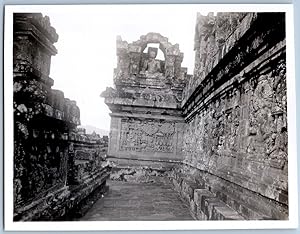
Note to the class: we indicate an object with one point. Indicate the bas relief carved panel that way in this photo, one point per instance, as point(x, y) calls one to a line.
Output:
point(147, 136)
point(250, 120)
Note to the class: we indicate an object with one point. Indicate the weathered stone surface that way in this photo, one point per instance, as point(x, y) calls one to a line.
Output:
point(220, 136)
point(28, 29)
point(150, 136)
point(200, 195)
point(130, 201)
point(214, 37)
point(40, 152)
point(234, 134)
point(139, 175)
point(237, 117)
point(55, 168)
point(146, 121)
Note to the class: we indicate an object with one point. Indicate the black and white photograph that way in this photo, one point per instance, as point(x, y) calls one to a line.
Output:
point(181, 113)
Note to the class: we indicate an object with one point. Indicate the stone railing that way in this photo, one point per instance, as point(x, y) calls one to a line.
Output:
point(44, 122)
point(41, 144)
point(88, 171)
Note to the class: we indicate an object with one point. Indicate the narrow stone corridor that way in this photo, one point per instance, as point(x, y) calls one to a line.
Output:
point(127, 201)
point(211, 145)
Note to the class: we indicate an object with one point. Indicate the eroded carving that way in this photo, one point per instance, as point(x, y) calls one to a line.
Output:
point(244, 131)
point(147, 136)
point(151, 65)
point(132, 61)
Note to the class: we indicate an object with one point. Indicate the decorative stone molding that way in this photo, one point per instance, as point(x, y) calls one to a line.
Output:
point(236, 113)
point(146, 98)
point(44, 122)
point(131, 58)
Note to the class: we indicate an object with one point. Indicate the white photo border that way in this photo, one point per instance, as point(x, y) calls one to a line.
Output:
point(10, 225)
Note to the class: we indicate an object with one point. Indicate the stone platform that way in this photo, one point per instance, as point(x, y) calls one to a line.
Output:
point(130, 201)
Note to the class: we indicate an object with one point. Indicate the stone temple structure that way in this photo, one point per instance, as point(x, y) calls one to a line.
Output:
point(220, 135)
point(146, 121)
point(58, 170)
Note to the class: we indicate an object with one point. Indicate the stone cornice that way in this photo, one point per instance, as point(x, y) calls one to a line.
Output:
point(261, 35)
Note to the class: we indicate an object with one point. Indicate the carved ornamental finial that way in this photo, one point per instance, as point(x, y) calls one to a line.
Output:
point(134, 63)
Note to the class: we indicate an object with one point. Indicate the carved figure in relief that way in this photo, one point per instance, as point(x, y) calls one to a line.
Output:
point(148, 136)
point(234, 129)
point(151, 65)
point(134, 68)
point(276, 150)
point(280, 100)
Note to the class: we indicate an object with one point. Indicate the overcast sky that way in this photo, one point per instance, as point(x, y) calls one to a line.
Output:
point(86, 57)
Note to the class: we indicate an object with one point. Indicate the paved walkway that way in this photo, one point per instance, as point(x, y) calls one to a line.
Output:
point(138, 201)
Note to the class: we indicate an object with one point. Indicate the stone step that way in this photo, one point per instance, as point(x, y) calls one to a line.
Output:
point(204, 204)
point(187, 189)
point(208, 207)
point(225, 213)
point(242, 208)
point(200, 195)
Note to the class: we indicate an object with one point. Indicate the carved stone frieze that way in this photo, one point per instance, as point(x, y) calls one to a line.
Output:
point(147, 136)
point(248, 125)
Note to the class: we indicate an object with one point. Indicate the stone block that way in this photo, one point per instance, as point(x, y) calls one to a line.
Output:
point(224, 213)
point(208, 205)
point(187, 189)
point(199, 214)
point(176, 185)
point(193, 207)
point(200, 195)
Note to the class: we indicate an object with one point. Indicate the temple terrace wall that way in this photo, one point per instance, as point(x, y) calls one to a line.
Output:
point(220, 135)
point(55, 167)
point(235, 140)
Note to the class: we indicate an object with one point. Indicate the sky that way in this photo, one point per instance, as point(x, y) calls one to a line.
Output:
point(86, 58)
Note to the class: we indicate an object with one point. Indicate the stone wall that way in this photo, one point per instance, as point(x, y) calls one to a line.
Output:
point(236, 113)
point(87, 173)
point(146, 123)
point(225, 126)
point(44, 122)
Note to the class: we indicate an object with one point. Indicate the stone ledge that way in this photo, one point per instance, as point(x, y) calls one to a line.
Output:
point(212, 208)
point(204, 204)
point(249, 204)
point(201, 194)
point(42, 208)
point(187, 189)
point(225, 213)
point(237, 58)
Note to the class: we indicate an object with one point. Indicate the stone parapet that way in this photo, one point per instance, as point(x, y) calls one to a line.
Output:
point(44, 125)
point(87, 154)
